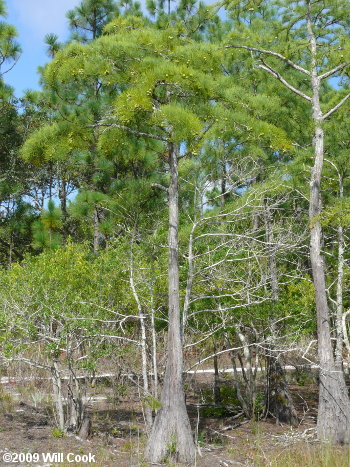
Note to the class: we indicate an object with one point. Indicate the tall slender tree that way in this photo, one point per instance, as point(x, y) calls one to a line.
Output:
point(313, 43)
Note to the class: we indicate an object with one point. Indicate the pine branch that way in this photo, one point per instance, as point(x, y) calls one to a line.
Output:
point(11, 67)
point(129, 130)
point(197, 140)
point(280, 78)
point(333, 71)
point(335, 108)
point(274, 54)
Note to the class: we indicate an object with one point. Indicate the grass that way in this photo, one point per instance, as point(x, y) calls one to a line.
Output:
point(6, 401)
point(304, 455)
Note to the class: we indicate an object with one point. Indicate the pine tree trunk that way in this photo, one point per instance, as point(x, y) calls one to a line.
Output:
point(62, 194)
point(171, 436)
point(224, 193)
point(10, 252)
point(333, 421)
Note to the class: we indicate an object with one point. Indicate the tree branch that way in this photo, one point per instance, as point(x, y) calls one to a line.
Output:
point(335, 108)
point(274, 54)
point(28, 361)
point(129, 130)
point(280, 78)
point(333, 71)
point(162, 187)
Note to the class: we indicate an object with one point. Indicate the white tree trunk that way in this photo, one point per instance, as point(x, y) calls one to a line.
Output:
point(143, 345)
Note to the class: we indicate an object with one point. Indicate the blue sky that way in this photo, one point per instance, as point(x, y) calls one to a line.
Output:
point(33, 20)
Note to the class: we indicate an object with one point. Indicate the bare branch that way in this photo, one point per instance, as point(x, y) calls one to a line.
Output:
point(161, 187)
point(28, 361)
point(280, 78)
point(11, 67)
point(274, 54)
point(335, 108)
point(333, 71)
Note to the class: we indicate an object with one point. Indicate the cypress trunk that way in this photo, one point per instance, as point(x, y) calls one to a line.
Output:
point(333, 421)
point(171, 436)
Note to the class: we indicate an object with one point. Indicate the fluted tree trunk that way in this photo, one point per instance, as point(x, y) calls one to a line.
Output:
point(333, 421)
point(171, 436)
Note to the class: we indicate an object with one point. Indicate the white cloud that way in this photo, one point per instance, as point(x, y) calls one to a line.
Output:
point(39, 17)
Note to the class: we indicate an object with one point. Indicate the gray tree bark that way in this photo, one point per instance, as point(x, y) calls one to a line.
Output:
point(57, 390)
point(171, 436)
point(340, 286)
point(280, 402)
point(217, 394)
point(333, 421)
point(143, 347)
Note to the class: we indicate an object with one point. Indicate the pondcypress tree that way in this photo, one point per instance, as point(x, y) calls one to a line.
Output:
point(305, 45)
point(163, 96)
point(165, 102)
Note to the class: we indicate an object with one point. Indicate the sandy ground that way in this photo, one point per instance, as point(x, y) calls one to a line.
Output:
point(118, 438)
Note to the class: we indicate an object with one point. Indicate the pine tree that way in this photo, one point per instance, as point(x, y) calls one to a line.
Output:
point(46, 230)
point(9, 49)
point(88, 19)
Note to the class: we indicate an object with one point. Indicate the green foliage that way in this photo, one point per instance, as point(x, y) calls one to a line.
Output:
point(46, 231)
point(9, 47)
point(228, 399)
point(57, 433)
point(6, 401)
point(54, 142)
point(88, 19)
point(152, 402)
